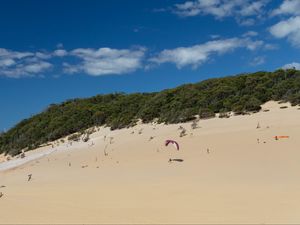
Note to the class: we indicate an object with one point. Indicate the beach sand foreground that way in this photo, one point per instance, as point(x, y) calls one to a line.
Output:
point(232, 172)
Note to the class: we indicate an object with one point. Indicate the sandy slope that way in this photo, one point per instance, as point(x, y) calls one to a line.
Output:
point(239, 181)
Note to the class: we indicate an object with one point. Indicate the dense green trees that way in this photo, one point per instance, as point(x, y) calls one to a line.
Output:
point(241, 94)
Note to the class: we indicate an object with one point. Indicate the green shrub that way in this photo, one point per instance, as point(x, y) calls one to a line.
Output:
point(241, 94)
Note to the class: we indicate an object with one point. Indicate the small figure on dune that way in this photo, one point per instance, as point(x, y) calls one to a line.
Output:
point(29, 177)
point(141, 131)
point(180, 128)
point(258, 126)
point(194, 125)
point(207, 151)
point(258, 140)
point(22, 154)
point(1, 194)
point(69, 164)
point(105, 153)
point(151, 138)
point(111, 140)
point(182, 133)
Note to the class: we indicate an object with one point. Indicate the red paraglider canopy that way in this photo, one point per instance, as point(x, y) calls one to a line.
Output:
point(176, 145)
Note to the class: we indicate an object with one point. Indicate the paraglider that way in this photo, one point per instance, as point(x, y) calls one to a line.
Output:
point(174, 143)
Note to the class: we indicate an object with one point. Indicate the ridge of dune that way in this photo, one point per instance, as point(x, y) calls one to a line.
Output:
point(233, 171)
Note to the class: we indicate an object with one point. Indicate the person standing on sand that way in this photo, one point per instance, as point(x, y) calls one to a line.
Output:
point(258, 126)
point(1, 194)
point(207, 150)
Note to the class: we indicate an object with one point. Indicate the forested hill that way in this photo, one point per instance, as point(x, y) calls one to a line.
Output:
point(241, 93)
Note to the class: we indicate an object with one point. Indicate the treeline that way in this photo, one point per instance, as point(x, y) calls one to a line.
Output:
point(240, 94)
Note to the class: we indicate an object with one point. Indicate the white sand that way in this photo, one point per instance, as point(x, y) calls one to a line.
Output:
point(239, 181)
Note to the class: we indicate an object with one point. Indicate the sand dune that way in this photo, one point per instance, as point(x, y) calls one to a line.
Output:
point(246, 176)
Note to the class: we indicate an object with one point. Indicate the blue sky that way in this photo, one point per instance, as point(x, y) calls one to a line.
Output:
point(51, 51)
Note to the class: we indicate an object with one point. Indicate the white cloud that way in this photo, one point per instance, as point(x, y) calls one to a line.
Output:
point(198, 54)
point(4, 53)
point(42, 55)
point(71, 69)
point(289, 29)
point(93, 62)
point(292, 66)
point(60, 52)
point(16, 64)
point(258, 60)
point(244, 11)
point(250, 33)
point(288, 7)
point(103, 61)
point(37, 67)
point(269, 46)
point(6, 62)
point(215, 36)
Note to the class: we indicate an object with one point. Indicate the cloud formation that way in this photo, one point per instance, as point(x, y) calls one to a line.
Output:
point(109, 61)
point(198, 54)
point(244, 11)
point(258, 60)
point(293, 65)
point(288, 7)
point(289, 29)
point(104, 61)
point(16, 64)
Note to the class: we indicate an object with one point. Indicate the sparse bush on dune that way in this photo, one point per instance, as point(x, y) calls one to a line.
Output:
point(205, 113)
point(224, 114)
point(74, 137)
point(241, 94)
